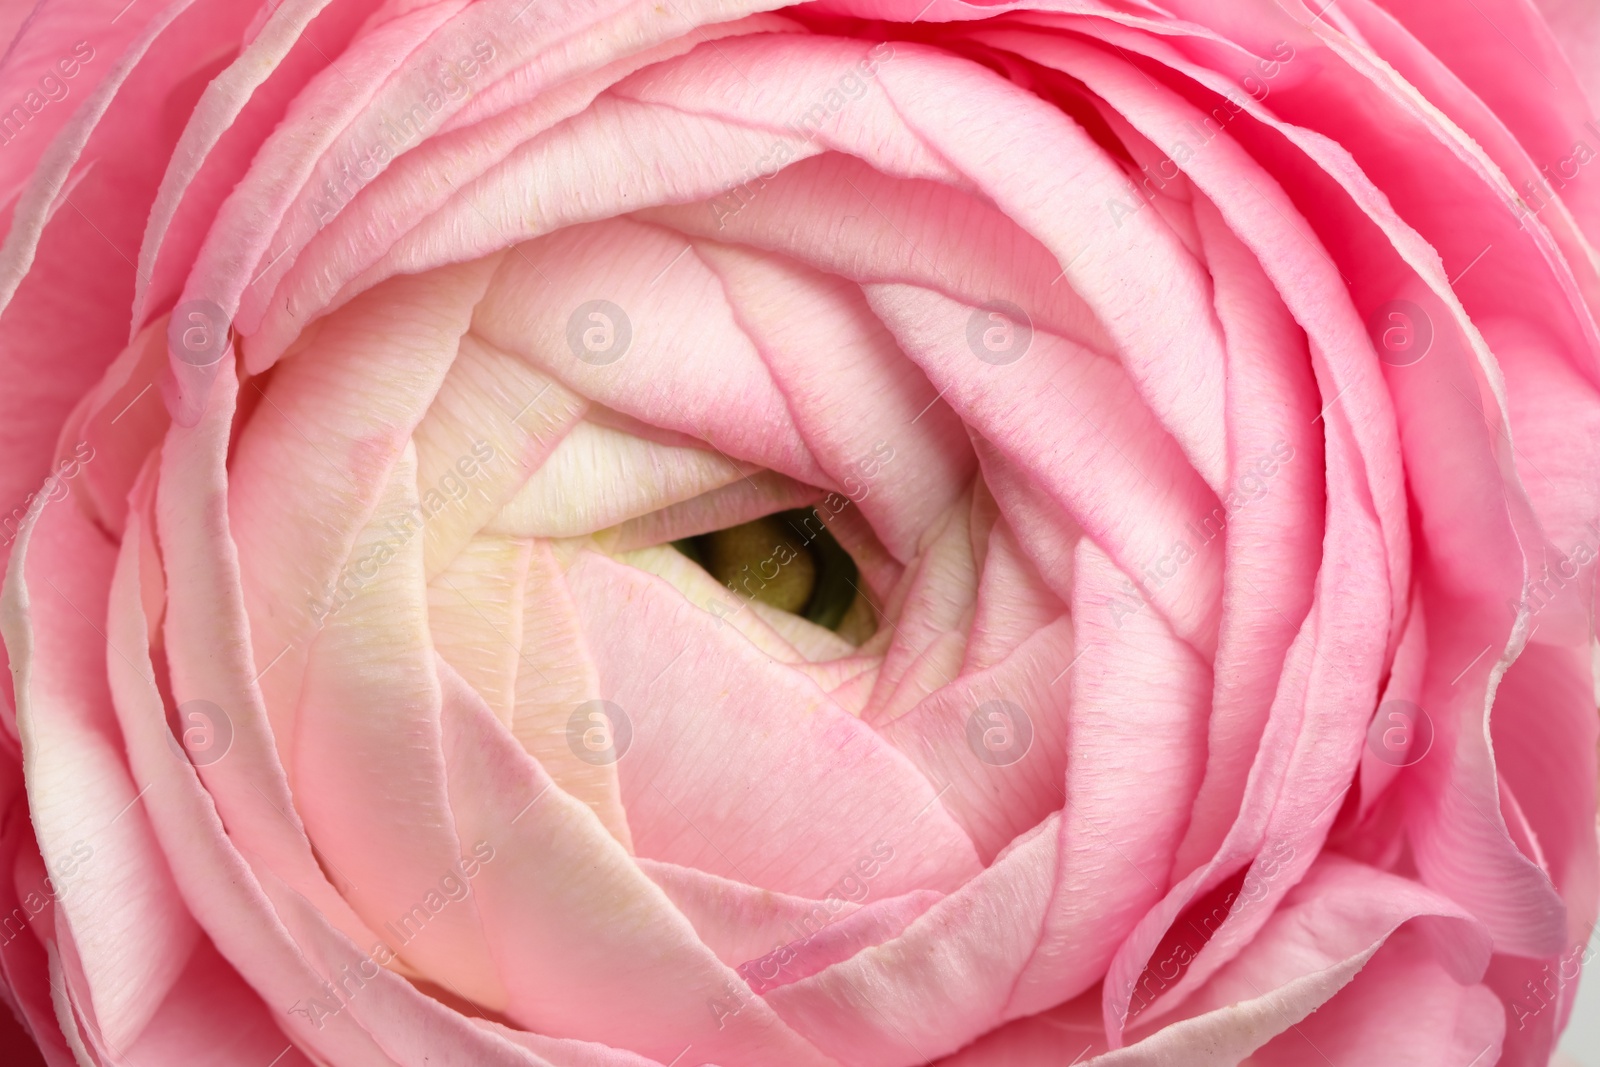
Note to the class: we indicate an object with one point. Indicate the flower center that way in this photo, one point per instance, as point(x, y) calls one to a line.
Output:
point(791, 562)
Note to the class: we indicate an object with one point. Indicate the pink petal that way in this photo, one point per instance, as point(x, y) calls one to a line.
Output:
point(371, 783)
point(812, 818)
point(129, 931)
point(566, 902)
point(1130, 782)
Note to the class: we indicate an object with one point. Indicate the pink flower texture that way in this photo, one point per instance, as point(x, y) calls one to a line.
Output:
point(873, 533)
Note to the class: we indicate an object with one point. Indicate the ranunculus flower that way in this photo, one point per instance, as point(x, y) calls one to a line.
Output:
point(594, 532)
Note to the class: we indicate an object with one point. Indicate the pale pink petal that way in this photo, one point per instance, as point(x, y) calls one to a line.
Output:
point(1326, 932)
point(681, 361)
point(995, 741)
point(1272, 513)
point(370, 782)
point(1131, 779)
point(493, 423)
point(749, 497)
point(944, 980)
point(1440, 1021)
point(130, 934)
point(809, 818)
point(1014, 602)
point(555, 676)
point(934, 601)
point(869, 415)
point(258, 923)
point(86, 166)
point(773, 938)
point(475, 617)
point(185, 490)
point(599, 477)
point(311, 463)
point(211, 1018)
point(567, 903)
point(1108, 463)
point(234, 112)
